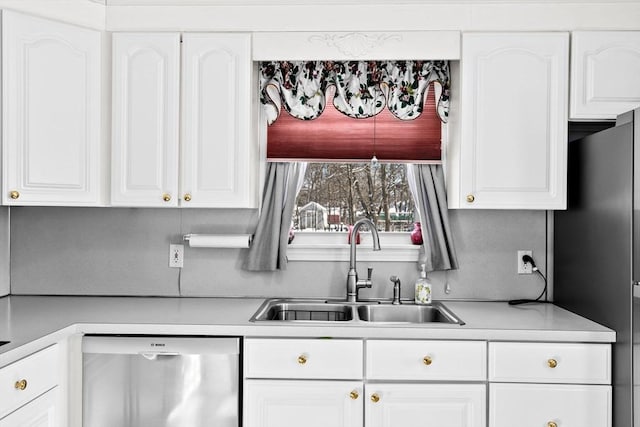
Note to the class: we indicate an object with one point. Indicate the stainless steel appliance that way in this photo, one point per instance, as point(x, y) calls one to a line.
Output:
point(152, 381)
point(597, 249)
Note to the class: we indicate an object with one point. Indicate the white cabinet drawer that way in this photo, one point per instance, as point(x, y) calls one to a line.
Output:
point(40, 372)
point(426, 360)
point(550, 363)
point(536, 405)
point(303, 358)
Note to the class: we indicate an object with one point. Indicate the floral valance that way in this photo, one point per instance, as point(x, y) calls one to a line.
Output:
point(362, 88)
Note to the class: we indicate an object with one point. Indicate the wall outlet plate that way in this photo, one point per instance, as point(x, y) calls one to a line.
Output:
point(524, 268)
point(176, 256)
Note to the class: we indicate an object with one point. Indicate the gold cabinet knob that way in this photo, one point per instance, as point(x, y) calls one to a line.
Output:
point(354, 394)
point(427, 360)
point(470, 198)
point(21, 385)
point(302, 359)
point(187, 197)
point(166, 197)
point(552, 363)
point(14, 194)
point(552, 424)
point(375, 398)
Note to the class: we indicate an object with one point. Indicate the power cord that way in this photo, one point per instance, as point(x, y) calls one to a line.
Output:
point(527, 259)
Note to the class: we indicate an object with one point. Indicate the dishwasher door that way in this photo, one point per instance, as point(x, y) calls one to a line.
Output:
point(152, 381)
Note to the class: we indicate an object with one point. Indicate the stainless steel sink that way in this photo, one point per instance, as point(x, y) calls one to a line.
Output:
point(407, 313)
point(306, 311)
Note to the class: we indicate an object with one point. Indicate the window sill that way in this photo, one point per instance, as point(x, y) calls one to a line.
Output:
point(332, 246)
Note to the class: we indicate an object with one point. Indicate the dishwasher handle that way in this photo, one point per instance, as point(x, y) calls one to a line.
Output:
point(160, 345)
point(153, 355)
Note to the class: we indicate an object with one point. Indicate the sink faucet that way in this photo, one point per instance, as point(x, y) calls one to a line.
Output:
point(353, 284)
point(396, 290)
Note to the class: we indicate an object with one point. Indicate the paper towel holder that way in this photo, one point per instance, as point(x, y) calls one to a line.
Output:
point(223, 241)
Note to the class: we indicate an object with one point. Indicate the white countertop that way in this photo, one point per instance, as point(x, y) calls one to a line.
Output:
point(34, 322)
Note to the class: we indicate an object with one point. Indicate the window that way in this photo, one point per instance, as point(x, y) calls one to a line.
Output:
point(340, 118)
point(335, 195)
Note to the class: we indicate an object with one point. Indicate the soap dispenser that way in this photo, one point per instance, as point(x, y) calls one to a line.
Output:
point(423, 288)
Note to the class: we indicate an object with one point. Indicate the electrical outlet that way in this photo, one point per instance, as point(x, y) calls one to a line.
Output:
point(176, 256)
point(524, 267)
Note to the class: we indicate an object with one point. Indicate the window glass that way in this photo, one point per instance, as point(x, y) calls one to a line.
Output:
point(335, 195)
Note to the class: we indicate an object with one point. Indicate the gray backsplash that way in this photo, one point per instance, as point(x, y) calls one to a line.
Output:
point(4, 251)
point(124, 251)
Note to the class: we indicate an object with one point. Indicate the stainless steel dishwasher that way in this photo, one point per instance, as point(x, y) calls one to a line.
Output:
point(156, 381)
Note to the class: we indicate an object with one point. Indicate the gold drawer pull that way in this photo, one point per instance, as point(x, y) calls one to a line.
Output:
point(14, 195)
point(471, 198)
point(552, 364)
point(166, 197)
point(354, 395)
point(187, 197)
point(427, 360)
point(302, 359)
point(552, 424)
point(21, 385)
point(375, 398)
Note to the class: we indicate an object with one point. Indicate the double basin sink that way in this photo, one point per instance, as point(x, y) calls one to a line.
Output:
point(311, 311)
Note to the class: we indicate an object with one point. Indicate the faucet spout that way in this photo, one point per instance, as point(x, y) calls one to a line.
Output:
point(353, 284)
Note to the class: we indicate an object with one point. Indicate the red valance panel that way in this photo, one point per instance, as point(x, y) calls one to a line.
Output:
point(333, 136)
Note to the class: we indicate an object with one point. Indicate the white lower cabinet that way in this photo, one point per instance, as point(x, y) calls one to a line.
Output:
point(320, 382)
point(40, 412)
point(419, 405)
point(30, 392)
point(313, 403)
point(549, 384)
point(549, 405)
point(425, 383)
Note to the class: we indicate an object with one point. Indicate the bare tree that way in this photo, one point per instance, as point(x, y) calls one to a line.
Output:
point(358, 190)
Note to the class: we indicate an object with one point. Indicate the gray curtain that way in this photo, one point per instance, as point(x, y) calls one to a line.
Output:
point(427, 187)
point(268, 251)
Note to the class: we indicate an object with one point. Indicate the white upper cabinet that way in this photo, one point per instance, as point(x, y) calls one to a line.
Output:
point(216, 157)
point(51, 112)
point(605, 66)
point(182, 121)
point(513, 118)
point(145, 138)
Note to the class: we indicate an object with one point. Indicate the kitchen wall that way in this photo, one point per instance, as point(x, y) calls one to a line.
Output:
point(4, 251)
point(124, 251)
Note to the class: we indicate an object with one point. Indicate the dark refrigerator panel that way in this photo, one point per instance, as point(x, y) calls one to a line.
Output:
point(636, 269)
point(593, 246)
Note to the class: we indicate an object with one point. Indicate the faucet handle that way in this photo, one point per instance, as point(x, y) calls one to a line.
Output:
point(369, 273)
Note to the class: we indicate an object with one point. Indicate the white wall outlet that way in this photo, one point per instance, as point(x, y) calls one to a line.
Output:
point(176, 256)
point(524, 267)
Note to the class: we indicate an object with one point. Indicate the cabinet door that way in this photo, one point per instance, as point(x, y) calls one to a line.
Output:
point(514, 120)
point(51, 112)
point(40, 412)
point(24, 380)
point(146, 94)
point(216, 161)
point(420, 405)
point(605, 66)
point(275, 403)
point(535, 405)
